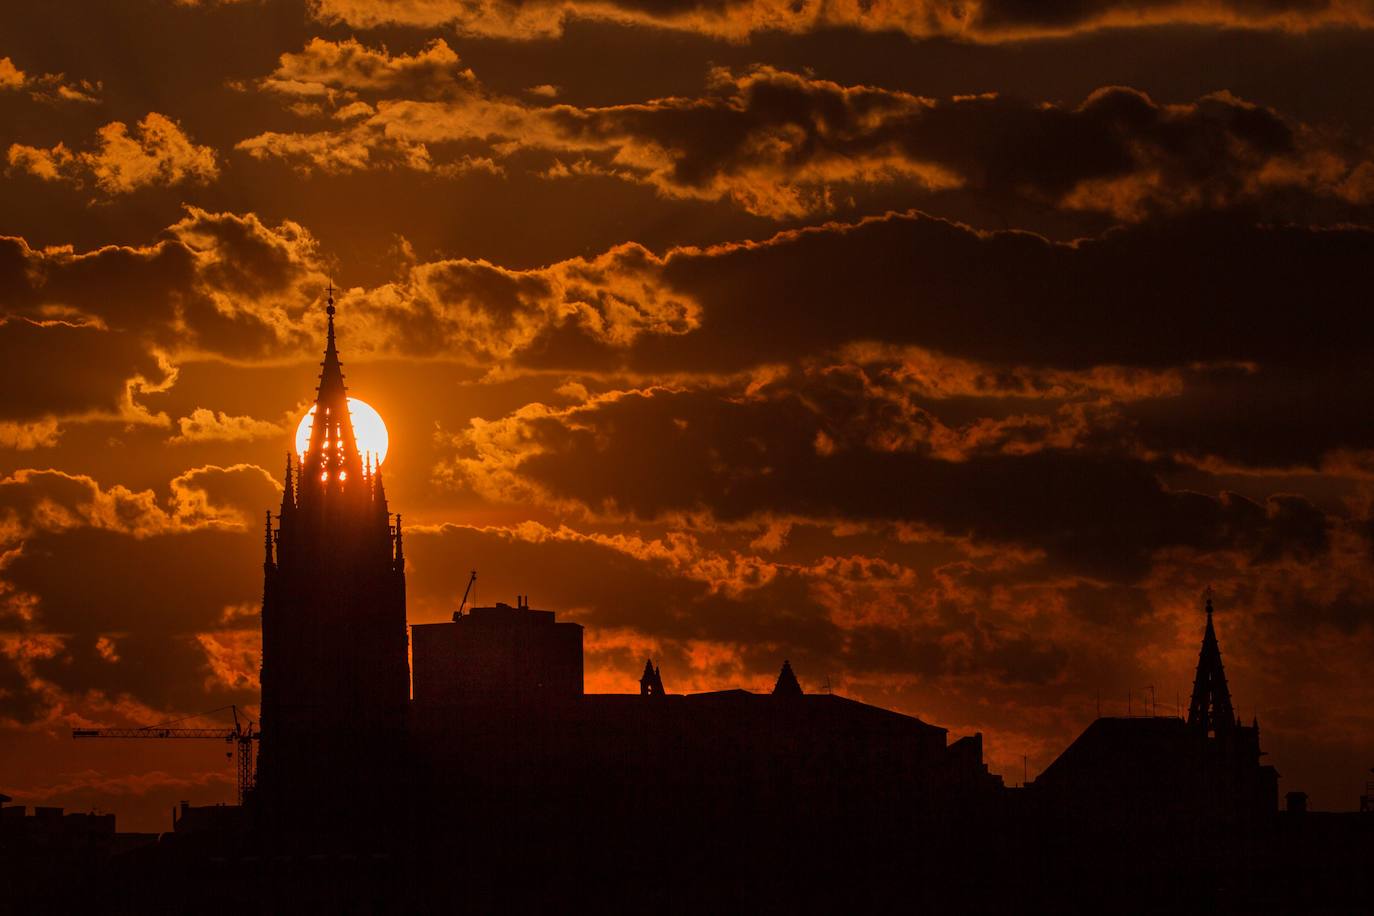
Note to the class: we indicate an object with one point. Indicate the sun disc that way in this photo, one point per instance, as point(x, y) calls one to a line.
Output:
point(368, 428)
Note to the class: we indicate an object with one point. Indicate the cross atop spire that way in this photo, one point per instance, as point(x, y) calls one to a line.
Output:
point(1210, 708)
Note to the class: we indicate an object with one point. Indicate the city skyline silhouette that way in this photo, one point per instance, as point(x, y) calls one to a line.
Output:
point(392, 745)
point(945, 360)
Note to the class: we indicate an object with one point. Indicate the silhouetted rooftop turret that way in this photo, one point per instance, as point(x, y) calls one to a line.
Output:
point(787, 685)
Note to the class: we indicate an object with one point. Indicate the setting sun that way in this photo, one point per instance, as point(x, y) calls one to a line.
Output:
point(367, 426)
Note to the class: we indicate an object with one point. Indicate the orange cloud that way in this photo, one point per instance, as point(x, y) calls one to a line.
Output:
point(46, 87)
point(52, 501)
point(157, 152)
point(204, 425)
point(234, 658)
point(28, 436)
point(326, 68)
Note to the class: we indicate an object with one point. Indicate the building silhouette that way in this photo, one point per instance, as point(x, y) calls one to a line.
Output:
point(333, 629)
point(1167, 771)
point(498, 701)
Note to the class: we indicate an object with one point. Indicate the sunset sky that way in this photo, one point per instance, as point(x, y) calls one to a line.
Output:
point(947, 349)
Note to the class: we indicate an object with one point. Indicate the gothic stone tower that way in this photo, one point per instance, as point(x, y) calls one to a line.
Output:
point(335, 676)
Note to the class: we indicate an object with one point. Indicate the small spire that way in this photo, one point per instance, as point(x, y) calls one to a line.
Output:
point(787, 684)
point(400, 548)
point(288, 495)
point(651, 681)
point(379, 491)
point(267, 539)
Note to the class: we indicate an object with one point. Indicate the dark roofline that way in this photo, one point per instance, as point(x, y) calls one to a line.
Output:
point(749, 696)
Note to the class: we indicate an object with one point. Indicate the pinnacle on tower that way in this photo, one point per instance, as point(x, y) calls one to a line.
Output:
point(787, 684)
point(267, 539)
point(651, 682)
point(1210, 708)
point(288, 493)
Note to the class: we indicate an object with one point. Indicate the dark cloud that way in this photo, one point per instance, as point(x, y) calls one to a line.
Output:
point(20, 701)
point(102, 371)
point(107, 593)
point(784, 144)
point(161, 672)
point(788, 145)
point(1195, 290)
point(225, 282)
point(1011, 15)
point(91, 335)
point(1264, 417)
point(735, 457)
point(710, 615)
point(1108, 606)
point(977, 20)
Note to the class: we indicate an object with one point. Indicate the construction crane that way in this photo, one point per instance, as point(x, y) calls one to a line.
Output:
point(241, 735)
point(471, 582)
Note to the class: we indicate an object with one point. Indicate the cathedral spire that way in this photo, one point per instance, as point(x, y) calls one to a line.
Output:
point(1210, 708)
point(332, 457)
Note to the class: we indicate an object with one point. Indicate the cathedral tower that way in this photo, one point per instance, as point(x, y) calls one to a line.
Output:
point(335, 675)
